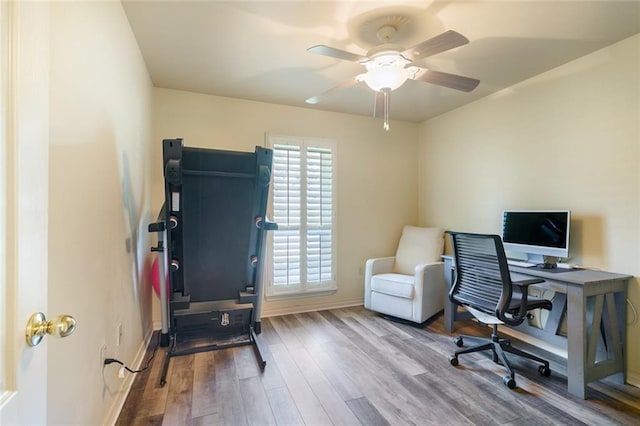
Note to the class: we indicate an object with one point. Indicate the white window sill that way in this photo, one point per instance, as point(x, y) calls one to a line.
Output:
point(301, 294)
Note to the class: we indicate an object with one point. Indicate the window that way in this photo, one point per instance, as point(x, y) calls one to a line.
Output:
point(302, 252)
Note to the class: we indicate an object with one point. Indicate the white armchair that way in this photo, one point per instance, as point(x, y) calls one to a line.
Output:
point(409, 285)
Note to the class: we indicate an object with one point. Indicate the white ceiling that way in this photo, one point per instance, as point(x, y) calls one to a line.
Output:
point(256, 50)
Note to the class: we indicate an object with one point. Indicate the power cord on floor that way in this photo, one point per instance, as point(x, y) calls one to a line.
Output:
point(108, 361)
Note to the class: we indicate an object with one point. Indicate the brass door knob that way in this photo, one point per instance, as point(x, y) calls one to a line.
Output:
point(38, 327)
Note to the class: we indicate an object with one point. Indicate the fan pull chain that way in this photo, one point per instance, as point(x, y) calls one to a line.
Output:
point(386, 109)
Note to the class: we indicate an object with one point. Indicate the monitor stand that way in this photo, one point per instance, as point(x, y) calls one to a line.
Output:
point(543, 262)
point(536, 259)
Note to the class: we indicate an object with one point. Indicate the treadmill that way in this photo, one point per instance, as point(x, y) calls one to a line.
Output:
point(211, 247)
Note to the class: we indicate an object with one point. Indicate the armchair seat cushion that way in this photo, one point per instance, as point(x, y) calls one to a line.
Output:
point(394, 285)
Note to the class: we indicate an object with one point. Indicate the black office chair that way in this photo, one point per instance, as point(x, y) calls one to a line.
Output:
point(484, 287)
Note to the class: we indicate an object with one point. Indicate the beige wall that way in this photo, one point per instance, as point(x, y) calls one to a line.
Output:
point(99, 206)
point(377, 171)
point(566, 139)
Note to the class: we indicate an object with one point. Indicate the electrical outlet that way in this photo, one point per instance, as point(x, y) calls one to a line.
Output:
point(103, 355)
point(119, 335)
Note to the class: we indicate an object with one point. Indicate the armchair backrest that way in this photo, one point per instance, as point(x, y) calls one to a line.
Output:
point(482, 273)
point(418, 245)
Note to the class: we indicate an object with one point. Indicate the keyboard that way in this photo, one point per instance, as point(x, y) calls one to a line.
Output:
point(567, 266)
point(520, 263)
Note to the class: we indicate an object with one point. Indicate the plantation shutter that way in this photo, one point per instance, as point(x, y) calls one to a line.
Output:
point(302, 251)
point(287, 201)
point(319, 214)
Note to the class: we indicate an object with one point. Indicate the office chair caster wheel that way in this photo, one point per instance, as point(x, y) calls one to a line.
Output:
point(453, 360)
point(509, 382)
point(458, 341)
point(544, 371)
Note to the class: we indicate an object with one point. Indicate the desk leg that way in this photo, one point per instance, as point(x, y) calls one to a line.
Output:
point(576, 341)
point(449, 308)
point(618, 324)
point(449, 315)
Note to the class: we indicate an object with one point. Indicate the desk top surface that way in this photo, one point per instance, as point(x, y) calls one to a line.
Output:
point(575, 276)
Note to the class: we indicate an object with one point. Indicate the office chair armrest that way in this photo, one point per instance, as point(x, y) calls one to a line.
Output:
point(523, 286)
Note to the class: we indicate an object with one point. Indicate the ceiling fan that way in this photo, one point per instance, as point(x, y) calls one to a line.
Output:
point(387, 68)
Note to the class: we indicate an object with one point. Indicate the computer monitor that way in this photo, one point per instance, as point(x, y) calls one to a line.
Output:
point(538, 233)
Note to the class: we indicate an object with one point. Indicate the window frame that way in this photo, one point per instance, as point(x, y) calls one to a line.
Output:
point(303, 288)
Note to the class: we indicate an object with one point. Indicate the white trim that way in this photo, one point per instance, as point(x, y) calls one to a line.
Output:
point(633, 379)
point(312, 308)
point(123, 392)
point(303, 288)
point(298, 295)
point(7, 79)
point(25, 140)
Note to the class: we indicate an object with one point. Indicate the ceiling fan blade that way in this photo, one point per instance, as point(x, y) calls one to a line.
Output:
point(445, 41)
point(345, 84)
point(452, 81)
point(336, 53)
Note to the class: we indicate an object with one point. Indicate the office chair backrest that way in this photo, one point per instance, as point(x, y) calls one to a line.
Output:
point(482, 274)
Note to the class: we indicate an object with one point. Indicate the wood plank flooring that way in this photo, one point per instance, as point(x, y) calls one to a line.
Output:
point(350, 367)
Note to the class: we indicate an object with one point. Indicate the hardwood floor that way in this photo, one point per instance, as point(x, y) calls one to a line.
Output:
point(351, 366)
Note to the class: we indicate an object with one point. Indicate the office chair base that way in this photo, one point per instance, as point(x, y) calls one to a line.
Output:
point(509, 382)
point(544, 371)
point(498, 348)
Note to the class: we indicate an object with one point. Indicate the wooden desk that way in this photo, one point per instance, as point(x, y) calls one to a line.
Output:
point(594, 305)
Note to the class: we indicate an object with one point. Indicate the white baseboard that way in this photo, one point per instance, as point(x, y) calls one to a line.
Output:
point(122, 394)
point(297, 309)
point(633, 379)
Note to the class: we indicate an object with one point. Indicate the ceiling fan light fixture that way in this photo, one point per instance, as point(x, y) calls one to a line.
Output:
point(386, 71)
point(389, 66)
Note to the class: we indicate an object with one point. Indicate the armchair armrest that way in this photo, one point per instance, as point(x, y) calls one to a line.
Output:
point(373, 267)
point(380, 265)
point(428, 272)
point(423, 268)
point(429, 280)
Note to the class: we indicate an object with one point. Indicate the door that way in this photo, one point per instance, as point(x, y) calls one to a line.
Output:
point(24, 152)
